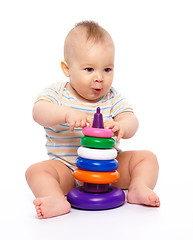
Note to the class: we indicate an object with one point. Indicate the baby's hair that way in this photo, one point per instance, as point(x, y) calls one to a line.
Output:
point(93, 29)
point(85, 30)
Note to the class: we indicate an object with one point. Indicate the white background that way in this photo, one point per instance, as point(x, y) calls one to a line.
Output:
point(154, 70)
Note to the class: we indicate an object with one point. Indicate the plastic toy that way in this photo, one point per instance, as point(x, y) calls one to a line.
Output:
point(97, 132)
point(96, 177)
point(95, 142)
point(96, 188)
point(97, 165)
point(102, 154)
point(96, 201)
point(96, 169)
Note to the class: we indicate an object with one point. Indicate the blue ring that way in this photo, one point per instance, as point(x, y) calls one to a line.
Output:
point(96, 165)
point(96, 201)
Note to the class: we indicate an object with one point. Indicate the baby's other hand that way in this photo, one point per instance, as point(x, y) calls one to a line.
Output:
point(77, 119)
point(115, 127)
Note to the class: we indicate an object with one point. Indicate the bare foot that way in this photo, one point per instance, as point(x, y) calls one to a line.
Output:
point(143, 195)
point(48, 207)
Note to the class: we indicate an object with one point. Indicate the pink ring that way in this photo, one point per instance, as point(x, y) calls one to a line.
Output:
point(98, 132)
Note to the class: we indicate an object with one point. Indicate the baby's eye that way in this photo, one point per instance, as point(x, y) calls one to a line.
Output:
point(108, 69)
point(89, 69)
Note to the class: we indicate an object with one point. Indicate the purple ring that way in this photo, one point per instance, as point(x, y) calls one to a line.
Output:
point(96, 201)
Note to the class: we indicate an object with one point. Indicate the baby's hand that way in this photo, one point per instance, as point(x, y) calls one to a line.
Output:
point(115, 127)
point(77, 118)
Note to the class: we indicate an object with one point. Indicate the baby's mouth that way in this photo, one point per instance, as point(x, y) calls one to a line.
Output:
point(97, 90)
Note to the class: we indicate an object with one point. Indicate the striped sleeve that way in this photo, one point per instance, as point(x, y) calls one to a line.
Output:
point(119, 104)
point(51, 93)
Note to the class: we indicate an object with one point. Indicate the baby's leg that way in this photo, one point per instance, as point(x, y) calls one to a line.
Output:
point(139, 173)
point(50, 181)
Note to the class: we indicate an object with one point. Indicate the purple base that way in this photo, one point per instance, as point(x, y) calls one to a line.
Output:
point(96, 201)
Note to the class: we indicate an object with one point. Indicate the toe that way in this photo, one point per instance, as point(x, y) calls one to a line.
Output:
point(158, 203)
point(38, 210)
point(39, 213)
point(37, 207)
point(154, 200)
point(40, 216)
point(37, 202)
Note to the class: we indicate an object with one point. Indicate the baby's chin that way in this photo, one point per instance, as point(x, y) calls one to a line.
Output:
point(91, 99)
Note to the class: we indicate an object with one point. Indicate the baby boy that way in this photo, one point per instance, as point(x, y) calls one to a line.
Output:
point(65, 108)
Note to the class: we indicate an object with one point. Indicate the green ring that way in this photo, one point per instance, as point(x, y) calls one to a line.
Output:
point(94, 142)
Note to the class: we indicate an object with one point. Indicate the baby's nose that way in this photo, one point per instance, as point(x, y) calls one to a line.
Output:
point(99, 77)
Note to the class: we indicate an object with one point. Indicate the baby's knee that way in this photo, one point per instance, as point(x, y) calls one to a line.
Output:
point(40, 169)
point(151, 157)
point(33, 170)
point(150, 154)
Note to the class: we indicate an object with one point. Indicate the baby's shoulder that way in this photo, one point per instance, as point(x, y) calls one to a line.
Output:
point(59, 86)
point(112, 92)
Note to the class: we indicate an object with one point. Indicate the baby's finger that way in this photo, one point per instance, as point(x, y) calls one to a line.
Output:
point(77, 124)
point(72, 127)
point(115, 128)
point(83, 123)
point(119, 136)
point(109, 125)
point(89, 120)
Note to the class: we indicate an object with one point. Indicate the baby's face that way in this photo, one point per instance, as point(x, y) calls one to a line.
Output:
point(91, 70)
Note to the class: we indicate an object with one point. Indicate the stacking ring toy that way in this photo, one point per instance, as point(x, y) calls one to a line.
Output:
point(102, 154)
point(96, 177)
point(96, 201)
point(98, 132)
point(94, 142)
point(97, 165)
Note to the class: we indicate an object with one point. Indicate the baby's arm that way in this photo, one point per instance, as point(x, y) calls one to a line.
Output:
point(124, 125)
point(49, 114)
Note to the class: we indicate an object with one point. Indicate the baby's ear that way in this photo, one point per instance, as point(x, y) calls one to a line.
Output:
point(65, 68)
